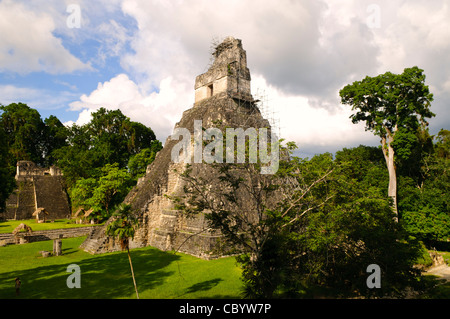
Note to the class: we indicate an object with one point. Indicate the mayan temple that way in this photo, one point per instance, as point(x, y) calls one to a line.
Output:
point(37, 188)
point(222, 98)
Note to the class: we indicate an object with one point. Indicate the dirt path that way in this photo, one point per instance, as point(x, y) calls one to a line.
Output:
point(442, 271)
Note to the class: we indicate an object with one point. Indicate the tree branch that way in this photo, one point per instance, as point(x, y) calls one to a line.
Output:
point(307, 191)
point(309, 209)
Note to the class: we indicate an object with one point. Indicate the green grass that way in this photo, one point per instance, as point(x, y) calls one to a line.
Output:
point(158, 274)
point(435, 287)
point(10, 225)
point(161, 275)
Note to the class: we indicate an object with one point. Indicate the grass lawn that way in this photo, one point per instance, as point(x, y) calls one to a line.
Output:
point(10, 225)
point(158, 274)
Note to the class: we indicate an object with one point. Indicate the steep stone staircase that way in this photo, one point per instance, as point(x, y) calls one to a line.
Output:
point(51, 195)
point(94, 242)
point(21, 204)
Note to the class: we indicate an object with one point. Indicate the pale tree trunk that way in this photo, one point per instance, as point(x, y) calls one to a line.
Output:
point(132, 273)
point(388, 153)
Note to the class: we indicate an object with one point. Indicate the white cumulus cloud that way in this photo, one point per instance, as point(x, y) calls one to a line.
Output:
point(27, 42)
point(158, 110)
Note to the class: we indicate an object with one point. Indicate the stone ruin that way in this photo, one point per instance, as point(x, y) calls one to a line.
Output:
point(37, 188)
point(228, 75)
point(222, 95)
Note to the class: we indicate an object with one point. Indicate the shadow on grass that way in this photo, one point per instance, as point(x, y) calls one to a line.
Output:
point(69, 251)
point(102, 276)
point(202, 286)
point(435, 287)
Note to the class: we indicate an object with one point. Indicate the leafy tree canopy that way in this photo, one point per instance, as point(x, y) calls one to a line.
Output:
point(104, 193)
point(29, 137)
point(390, 101)
point(110, 137)
point(7, 181)
point(329, 224)
point(393, 107)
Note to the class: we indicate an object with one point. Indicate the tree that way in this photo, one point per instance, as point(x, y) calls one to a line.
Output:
point(74, 159)
point(443, 144)
point(236, 197)
point(412, 148)
point(82, 192)
point(55, 137)
point(7, 181)
point(110, 137)
point(357, 229)
point(313, 224)
point(24, 130)
point(367, 165)
point(29, 137)
point(112, 187)
point(115, 137)
point(425, 205)
point(137, 165)
point(104, 192)
point(123, 226)
point(389, 104)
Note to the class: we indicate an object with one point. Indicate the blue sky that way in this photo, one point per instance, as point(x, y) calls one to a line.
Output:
point(143, 56)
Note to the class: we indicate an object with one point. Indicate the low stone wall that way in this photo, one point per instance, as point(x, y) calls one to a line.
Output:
point(45, 235)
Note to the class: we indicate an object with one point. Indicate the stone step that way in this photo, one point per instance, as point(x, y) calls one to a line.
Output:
point(170, 212)
point(94, 242)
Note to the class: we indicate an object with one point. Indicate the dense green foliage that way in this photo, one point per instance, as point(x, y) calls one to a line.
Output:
point(423, 197)
point(100, 160)
point(110, 138)
point(7, 182)
point(327, 229)
point(103, 192)
point(137, 165)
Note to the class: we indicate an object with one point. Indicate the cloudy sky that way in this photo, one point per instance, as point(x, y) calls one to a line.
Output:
point(68, 58)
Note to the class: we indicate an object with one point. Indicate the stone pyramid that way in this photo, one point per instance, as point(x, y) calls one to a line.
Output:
point(222, 98)
point(37, 187)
